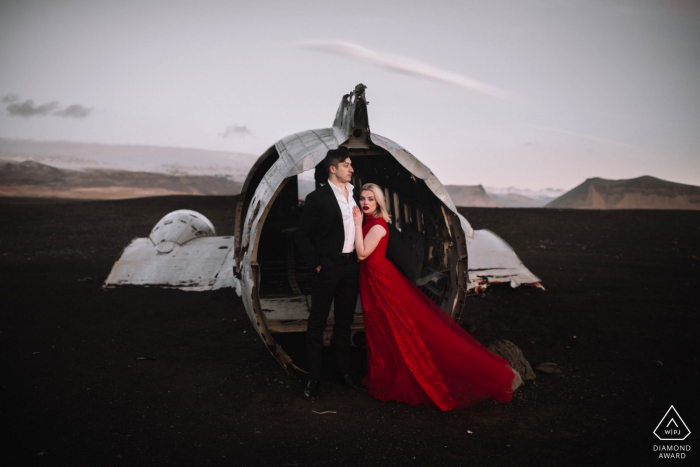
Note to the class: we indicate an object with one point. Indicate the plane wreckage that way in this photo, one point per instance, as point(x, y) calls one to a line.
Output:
point(429, 241)
point(182, 252)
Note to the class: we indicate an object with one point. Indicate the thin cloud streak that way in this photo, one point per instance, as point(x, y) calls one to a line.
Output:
point(581, 135)
point(409, 66)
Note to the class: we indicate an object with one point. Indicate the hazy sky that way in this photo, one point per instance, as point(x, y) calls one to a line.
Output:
point(531, 94)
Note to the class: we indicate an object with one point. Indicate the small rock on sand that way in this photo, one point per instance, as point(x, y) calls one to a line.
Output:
point(515, 357)
point(548, 368)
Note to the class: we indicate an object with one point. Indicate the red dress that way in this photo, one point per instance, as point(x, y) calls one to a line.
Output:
point(415, 352)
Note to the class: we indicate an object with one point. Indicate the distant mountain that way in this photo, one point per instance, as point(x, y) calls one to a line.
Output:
point(474, 196)
point(34, 179)
point(512, 200)
point(637, 193)
point(492, 197)
point(158, 159)
point(512, 197)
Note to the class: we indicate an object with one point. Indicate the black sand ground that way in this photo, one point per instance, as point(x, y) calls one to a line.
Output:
point(620, 316)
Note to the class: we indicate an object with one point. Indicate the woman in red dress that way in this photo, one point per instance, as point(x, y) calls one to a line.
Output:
point(415, 352)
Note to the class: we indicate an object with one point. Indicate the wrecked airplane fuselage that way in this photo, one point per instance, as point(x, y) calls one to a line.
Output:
point(428, 238)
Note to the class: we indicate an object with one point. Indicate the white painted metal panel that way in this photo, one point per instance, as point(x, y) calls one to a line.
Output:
point(181, 226)
point(491, 258)
point(204, 263)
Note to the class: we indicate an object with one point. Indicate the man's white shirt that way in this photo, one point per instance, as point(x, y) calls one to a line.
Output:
point(346, 206)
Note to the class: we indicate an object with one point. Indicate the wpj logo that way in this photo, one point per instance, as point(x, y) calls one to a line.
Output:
point(671, 427)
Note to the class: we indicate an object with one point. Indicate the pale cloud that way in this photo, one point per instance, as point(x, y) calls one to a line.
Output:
point(27, 108)
point(74, 111)
point(409, 66)
point(236, 131)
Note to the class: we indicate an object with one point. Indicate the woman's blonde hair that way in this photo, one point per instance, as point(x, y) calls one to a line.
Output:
point(378, 193)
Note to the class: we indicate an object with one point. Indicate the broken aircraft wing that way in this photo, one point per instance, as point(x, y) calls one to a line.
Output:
point(492, 261)
point(181, 252)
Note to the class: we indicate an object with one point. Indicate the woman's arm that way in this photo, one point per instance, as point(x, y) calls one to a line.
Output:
point(364, 246)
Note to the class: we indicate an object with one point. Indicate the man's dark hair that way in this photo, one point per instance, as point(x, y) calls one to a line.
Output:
point(335, 157)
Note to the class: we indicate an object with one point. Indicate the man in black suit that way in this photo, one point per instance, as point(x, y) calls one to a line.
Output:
point(326, 238)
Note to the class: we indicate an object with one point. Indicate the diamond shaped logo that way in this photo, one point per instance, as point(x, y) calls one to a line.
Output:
point(671, 427)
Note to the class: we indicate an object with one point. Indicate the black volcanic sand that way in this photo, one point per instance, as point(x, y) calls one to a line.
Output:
point(620, 316)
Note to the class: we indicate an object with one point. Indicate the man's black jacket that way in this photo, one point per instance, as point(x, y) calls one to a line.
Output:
point(320, 233)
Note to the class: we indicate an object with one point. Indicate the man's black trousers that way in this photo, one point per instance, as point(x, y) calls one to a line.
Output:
point(337, 283)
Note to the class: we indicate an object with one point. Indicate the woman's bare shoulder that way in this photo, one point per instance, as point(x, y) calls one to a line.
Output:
point(380, 227)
